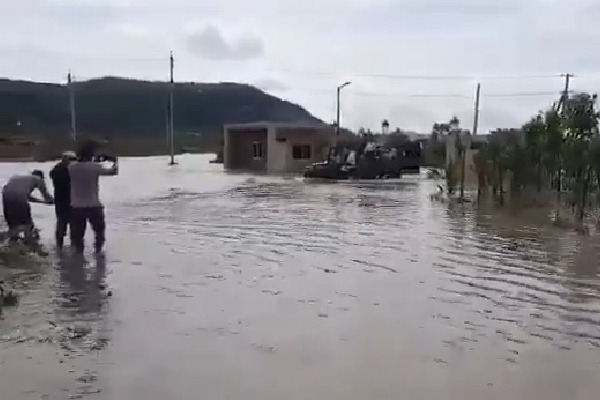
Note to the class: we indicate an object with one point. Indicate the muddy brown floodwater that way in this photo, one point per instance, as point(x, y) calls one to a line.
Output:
point(221, 286)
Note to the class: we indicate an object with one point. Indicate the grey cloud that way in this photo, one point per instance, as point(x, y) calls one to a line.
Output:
point(459, 6)
point(408, 115)
point(25, 59)
point(403, 37)
point(88, 15)
point(511, 115)
point(270, 84)
point(211, 44)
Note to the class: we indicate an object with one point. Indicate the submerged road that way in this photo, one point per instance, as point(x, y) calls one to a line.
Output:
point(219, 286)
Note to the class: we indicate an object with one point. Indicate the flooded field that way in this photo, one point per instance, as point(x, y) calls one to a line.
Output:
point(221, 286)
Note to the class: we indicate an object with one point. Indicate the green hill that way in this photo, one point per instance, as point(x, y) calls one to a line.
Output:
point(125, 110)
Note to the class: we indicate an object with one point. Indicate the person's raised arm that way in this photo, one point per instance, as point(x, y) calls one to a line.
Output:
point(110, 171)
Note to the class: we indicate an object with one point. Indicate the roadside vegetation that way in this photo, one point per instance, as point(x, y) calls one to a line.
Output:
point(554, 159)
point(558, 152)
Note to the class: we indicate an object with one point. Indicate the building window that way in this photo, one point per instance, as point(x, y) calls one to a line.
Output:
point(257, 150)
point(301, 152)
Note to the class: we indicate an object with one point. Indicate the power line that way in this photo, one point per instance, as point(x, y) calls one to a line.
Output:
point(411, 95)
point(440, 95)
point(523, 94)
point(95, 57)
point(421, 77)
point(325, 92)
point(500, 77)
point(418, 77)
point(372, 75)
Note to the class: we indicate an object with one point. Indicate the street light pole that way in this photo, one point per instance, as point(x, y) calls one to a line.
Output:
point(72, 107)
point(337, 119)
point(171, 127)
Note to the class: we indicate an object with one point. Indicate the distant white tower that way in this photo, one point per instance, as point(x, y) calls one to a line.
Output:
point(385, 127)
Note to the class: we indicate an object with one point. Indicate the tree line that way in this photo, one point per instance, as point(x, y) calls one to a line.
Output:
point(557, 151)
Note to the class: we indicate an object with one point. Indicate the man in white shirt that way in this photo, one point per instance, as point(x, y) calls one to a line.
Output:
point(16, 196)
point(85, 201)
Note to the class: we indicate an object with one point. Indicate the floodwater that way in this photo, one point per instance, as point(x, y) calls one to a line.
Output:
point(219, 286)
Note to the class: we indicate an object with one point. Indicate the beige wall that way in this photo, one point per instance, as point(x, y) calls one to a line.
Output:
point(278, 153)
point(278, 145)
point(471, 178)
point(238, 150)
point(281, 145)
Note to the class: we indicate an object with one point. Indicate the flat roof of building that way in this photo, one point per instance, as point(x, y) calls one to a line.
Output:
point(267, 124)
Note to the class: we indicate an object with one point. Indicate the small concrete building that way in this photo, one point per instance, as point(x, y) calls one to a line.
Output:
point(272, 147)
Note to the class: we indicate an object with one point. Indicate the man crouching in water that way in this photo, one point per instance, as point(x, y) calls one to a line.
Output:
point(85, 200)
point(16, 196)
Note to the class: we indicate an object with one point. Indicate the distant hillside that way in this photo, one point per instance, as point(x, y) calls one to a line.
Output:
point(125, 109)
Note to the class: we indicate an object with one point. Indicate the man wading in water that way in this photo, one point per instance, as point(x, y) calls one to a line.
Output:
point(85, 201)
point(16, 196)
point(62, 195)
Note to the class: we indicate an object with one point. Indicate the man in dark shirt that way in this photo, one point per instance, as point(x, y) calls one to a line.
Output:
point(62, 195)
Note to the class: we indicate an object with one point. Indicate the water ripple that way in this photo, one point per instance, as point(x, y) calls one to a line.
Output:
point(361, 254)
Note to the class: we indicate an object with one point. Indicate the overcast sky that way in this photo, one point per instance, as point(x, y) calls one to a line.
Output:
point(301, 50)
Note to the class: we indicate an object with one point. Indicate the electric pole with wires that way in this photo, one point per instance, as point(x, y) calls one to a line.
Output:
point(72, 107)
point(565, 95)
point(171, 125)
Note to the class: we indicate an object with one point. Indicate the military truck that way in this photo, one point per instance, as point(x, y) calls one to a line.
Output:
point(368, 161)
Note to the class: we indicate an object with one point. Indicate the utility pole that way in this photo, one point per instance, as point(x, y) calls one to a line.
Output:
point(466, 140)
point(463, 146)
point(171, 129)
point(72, 107)
point(565, 96)
point(476, 114)
point(337, 111)
point(168, 124)
point(337, 118)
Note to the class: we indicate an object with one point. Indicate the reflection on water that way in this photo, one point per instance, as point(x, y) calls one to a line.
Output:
point(81, 287)
point(64, 304)
point(371, 259)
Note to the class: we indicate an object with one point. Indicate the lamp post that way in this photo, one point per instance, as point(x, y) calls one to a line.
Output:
point(337, 119)
point(72, 107)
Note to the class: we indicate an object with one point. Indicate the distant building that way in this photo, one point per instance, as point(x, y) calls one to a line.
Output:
point(453, 141)
point(272, 147)
point(473, 144)
point(414, 136)
point(505, 136)
point(19, 149)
